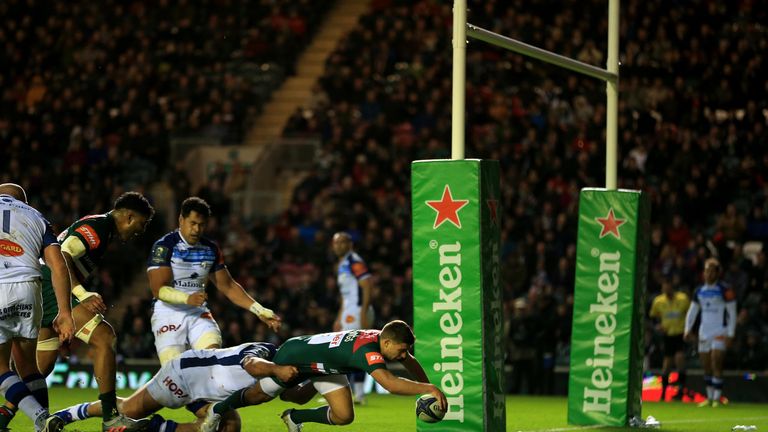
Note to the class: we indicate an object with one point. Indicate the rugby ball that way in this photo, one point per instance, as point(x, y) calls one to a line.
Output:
point(428, 409)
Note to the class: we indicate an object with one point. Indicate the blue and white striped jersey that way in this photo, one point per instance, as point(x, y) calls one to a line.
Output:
point(352, 269)
point(190, 264)
point(214, 374)
point(24, 234)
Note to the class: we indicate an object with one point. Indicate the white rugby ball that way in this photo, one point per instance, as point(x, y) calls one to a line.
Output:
point(428, 409)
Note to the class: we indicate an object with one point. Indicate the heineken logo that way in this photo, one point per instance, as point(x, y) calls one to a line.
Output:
point(451, 364)
point(610, 224)
point(604, 308)
point(447, 209)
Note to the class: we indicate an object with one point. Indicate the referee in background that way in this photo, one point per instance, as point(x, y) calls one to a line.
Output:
point(668, 310)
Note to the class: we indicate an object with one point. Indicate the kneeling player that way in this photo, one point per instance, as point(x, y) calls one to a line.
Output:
point(194, 379)
point(324, 359)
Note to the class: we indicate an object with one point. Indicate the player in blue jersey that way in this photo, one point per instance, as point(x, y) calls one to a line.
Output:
point(717, 305)
point(180, 265)
point(25, 236)
point(356, 311)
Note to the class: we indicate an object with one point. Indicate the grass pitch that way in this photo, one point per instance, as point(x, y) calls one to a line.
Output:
point(396, 413)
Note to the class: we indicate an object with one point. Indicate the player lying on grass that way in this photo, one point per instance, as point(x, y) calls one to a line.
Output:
point(323, 360)
point(194, 379)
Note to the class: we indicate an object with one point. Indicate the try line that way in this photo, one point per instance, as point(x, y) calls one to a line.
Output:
point(728, 419)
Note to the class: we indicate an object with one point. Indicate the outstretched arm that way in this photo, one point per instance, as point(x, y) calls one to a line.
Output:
point(404, 386)
point(237, 295)
point(414, 367)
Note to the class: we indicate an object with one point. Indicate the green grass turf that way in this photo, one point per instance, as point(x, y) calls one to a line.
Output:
point(395, 413)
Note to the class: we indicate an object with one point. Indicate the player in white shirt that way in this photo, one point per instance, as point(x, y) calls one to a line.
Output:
point(356, 311)
point(717, 305)
point(195, 377)
point(25, 237)
point(179, 267)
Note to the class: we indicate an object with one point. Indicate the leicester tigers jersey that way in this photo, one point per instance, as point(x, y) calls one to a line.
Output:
point(24, 233)
point(190, 264)
point(96, 233)
point(352, 269)
point(333, 353)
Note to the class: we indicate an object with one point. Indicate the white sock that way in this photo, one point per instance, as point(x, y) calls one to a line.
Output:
point(710, 392)
point(359, 387)
point(74, 413)
point(28, 404)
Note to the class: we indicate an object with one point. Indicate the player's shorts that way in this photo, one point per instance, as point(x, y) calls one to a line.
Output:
point(168, 387)
point(324, 384)
point(350, 318)
point(713, 343)
point(181, 328)
point(672, 345)
point(20, 310)
point(50, 307)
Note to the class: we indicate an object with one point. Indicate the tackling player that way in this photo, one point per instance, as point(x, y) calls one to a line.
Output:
point(25, 236)
point(84, 245)
point(356, 311)
point(717, 304)
point(179, 266)
point(324, 359)
point(195, 378)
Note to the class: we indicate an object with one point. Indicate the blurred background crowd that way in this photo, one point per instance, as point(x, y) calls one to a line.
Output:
point(92, 95)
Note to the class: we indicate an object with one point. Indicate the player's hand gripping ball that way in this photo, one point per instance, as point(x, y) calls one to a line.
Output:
point(428, 409)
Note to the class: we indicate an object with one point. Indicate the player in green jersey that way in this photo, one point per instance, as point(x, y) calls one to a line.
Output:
point(83, 245)
point(323, 360)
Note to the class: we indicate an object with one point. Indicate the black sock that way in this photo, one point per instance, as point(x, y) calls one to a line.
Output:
point(234, 401)
point(108, 405)
point(664, 384)
point(317, 415)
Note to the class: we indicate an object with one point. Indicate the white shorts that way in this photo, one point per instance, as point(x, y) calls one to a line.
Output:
point(716, 343)
point(21, 310)
point(324, 384)
point(181, 328)
point(168, 387)
point(350, 318)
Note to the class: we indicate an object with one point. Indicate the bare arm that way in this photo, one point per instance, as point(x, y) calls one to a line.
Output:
point(365, 287)
point(237, 295)
point(60, 278)
point(404, 386)
point(158, 278)
point(690, 318)
point(414, 367)
point(259, 368)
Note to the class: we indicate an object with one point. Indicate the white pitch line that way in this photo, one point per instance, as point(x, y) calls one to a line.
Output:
point(719, 420)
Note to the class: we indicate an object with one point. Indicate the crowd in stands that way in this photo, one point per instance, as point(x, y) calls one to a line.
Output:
point(92, 112)
point(93, 93)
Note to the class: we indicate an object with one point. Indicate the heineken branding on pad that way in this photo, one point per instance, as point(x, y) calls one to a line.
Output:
point(604, 387)
point(457, 310)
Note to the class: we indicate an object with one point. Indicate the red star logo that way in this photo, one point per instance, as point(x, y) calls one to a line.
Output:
point(447, 209)
point(610, 224)
point(493, 206)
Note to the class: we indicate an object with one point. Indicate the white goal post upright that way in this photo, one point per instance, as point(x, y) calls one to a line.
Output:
point(605, 374)
point(610, 75)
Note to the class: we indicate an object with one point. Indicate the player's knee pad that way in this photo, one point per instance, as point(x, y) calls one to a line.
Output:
point(86, 331)
point(51, 344)
point(207, 339)
point(169, 353)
